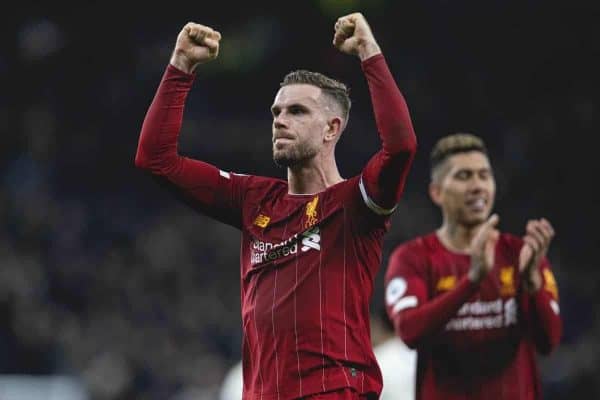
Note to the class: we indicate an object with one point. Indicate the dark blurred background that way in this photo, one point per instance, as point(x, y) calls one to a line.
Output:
point(107, 280)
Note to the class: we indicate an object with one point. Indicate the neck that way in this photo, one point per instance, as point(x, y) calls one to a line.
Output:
point(313, 176)
point(457, 237)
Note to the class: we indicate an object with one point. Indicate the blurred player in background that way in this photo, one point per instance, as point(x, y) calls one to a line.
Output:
point(312, 244)
point(477, 304)
point(233, 384)
point(398, 363)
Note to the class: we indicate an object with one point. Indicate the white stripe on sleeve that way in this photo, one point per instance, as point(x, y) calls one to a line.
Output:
point(371, 204)
point(405, 302)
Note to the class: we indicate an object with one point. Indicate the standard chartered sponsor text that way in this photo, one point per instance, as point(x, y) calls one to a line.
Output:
point(267, 251)
point(476, 315)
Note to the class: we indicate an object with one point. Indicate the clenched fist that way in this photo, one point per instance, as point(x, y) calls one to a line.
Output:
point(196, 44)
point(353, 36)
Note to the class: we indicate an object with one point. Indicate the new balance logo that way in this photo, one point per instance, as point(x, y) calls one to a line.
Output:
point(262, 220)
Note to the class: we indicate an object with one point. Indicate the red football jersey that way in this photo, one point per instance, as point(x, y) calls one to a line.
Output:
point(474, 341)
point(307, 261)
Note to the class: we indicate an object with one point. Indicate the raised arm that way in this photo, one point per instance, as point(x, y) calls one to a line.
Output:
point(383, 178)
point(157, 147)
point(197, 183)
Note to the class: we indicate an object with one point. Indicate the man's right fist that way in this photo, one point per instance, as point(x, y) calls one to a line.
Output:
point(196, 44)
point(353, 35)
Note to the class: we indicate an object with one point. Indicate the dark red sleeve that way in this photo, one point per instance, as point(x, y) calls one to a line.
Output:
point(203, 186)
point(409, 305)
point(385, 174)
point(544, 313)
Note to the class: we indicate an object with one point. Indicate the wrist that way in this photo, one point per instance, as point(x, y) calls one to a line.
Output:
point(367, 50)
point(182, 64)
point(475, 276)
point(533, 281)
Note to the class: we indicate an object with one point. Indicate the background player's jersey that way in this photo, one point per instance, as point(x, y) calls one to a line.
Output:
point(307, 263)
point(473, 341)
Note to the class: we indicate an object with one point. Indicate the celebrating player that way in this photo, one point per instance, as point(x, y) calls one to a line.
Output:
point(474, 302)
point(310, 245)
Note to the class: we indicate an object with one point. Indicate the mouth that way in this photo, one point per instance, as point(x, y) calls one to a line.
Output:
point(478, 204)
point(282, 138)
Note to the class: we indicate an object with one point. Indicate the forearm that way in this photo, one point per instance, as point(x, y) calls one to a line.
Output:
point(413, 325)
point(546, 323)
point(389, 106)
point(386, 174)
point(367, 50)
point(157, 145)
point(190, 180)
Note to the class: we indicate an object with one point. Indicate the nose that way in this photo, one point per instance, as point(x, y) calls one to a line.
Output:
point(279, 122)
point(477, 184)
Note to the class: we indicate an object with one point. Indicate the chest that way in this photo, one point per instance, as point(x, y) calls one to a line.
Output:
point(491, 314)
point(445, 270)
point(281, 230)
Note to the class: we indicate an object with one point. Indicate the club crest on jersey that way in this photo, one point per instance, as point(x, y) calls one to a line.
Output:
point(550, 283)
point(446, 283)
point(311, 212)
point(507, 281)
point(262, 220)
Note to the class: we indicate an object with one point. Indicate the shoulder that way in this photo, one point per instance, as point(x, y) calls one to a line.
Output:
point(256, 184)
point(345, 188)
point(418, 245)
point(260, 181)
point(346, 193)
point(410, 255)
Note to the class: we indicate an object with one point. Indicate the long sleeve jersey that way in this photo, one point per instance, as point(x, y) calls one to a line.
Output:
point(474, 341)
point(308, 261)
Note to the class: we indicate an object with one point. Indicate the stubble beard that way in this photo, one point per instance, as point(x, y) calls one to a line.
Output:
point(294, 155)
point(472, 221)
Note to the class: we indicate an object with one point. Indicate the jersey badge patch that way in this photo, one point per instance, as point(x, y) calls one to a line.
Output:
point(507, 281)
point(446, 283)
point(311, 212)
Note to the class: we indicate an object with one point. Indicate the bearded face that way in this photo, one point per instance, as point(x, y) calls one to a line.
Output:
point(298, 124)
point(289, 153)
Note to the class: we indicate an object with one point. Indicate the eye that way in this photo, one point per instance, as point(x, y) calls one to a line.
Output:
point(485, 174)
point(463, 175)
point(296, 110)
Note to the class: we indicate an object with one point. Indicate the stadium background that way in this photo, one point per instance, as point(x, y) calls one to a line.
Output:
point(106, 280)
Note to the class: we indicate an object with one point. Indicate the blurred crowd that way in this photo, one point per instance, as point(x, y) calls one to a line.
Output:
point(104, 276)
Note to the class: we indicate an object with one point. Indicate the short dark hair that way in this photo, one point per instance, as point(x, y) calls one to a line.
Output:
point(337, 90)
point(454, 144)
